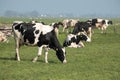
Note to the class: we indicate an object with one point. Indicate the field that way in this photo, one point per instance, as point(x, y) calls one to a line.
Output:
point(98, 60)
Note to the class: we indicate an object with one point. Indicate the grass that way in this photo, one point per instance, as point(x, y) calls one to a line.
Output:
point(98, 60)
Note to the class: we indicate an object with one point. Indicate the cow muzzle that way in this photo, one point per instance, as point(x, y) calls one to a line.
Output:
point(88, 40)
point(65, 61)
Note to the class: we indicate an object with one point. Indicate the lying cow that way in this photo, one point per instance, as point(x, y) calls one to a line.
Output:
point(75, 41)
point(83, 27)
point(37, 34)
point(101, 24)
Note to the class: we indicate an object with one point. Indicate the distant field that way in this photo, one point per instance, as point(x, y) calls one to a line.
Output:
point(98, 60)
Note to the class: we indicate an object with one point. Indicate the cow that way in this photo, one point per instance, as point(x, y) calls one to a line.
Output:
point(39, 35)
point(85, 27)
point(69, 23)
point(101, 24)
point(75, 41)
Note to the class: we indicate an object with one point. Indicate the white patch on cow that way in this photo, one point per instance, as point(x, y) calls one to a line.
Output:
point(106, 22)
point(99, 20)
point(73, 45)
point(65, 61)
point(52, 24)
point(70, 36)
point(17, 34)
point(43, 28)
point(88, 39)
point(46, 29)
point(36, 36)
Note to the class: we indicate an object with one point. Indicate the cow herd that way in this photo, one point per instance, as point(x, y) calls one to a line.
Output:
point(46, 36)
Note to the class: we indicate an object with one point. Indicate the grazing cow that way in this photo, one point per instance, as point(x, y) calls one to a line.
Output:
point(40, 35)
point(101, 24)
point(83, 27)
point(75, 41)
point(3, 37)
point(69, 23)
point(56, 27)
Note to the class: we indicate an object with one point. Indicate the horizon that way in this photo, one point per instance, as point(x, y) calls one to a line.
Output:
point(72, 8)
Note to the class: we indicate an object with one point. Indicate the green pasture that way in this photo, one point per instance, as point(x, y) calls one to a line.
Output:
point(98, 60)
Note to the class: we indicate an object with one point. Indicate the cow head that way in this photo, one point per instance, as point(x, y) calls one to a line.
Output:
point(82, 36)
point(110, 22)
point(61, 55)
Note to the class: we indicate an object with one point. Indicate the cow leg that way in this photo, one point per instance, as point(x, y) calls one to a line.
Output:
point(17, 56)
point(46, 55)
point(81, 44)
point(103, 30)
point(39, 54)
point(56, 31)
point(90, 32)
point(63, 29)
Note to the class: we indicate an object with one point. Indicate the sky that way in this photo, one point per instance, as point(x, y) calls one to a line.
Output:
point(75, 7)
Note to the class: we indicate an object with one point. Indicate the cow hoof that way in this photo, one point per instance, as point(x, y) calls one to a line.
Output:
point(33, 61)
point(46, 62)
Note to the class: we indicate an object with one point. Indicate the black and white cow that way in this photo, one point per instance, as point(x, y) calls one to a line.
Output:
point(101, 24)
point(40, 35)
point(83, 27)
point(75, 41)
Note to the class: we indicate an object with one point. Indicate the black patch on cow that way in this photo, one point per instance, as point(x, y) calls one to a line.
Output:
point(60, 54)
point(66, 43)
point(73, 39)
point(110, 22)
point(43, 39)
point(18, 27)
point(29, 35)
point(94, 21)
point(81, 27)
point(37, 31)
point(49, 38)
point(103, 22)
point(56, 25)
point(81, 38)
point(27, 30)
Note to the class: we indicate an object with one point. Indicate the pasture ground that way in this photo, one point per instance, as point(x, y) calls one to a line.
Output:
point(98, 60)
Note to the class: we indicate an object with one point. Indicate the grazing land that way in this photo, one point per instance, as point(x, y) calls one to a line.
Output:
point(98, 60)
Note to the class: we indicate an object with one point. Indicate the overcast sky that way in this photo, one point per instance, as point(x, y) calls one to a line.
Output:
point(76, 7)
